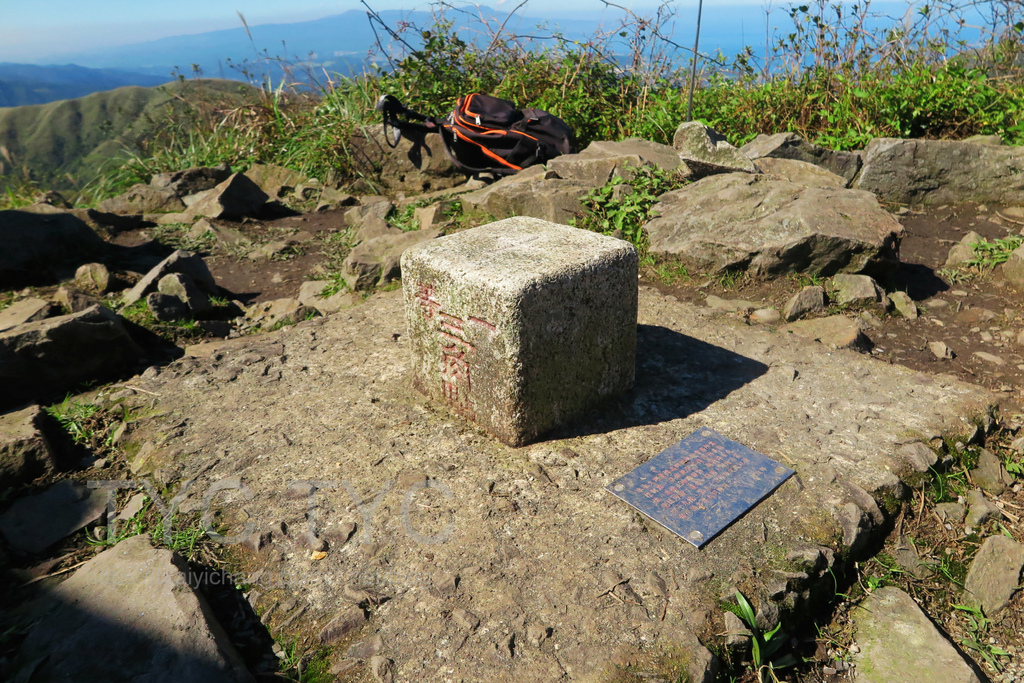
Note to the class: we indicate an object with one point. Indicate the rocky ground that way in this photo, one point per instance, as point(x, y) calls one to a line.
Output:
point(362, 534)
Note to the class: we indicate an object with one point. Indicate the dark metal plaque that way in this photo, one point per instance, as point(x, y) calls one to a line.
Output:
point(700, 485)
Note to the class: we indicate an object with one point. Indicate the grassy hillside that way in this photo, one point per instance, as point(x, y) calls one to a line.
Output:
point(67, 143)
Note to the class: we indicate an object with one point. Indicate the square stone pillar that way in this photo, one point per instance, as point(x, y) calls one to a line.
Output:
point(521, 325)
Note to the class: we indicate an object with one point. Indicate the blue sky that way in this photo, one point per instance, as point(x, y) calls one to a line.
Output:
point(33, 29)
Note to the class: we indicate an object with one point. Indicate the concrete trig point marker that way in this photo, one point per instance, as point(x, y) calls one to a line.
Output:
point(521, 325)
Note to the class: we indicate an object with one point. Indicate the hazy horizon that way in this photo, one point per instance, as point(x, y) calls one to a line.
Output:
point(32, 33)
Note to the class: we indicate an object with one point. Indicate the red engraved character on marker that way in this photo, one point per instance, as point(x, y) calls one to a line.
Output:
point(455, 372)
point(426, 295)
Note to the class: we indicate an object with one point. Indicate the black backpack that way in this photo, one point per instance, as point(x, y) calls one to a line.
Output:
point(485, 134)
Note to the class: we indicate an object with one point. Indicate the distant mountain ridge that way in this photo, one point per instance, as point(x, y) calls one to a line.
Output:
point(22, 84)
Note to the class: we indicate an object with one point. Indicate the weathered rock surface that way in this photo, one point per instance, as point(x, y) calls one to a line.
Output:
point(792, 146)
point(310, 295)
point(187, 291)
point(898, 642)
point(918, 456)
point(93, 277)
point(800, 172)
point(370, 206)
point(860, 290)
point(904, 305)
point(24, 311)
point(990, 474)
point(269, 313)
point(140, 604)
point(73, 300)
point(191, 180)
point(235, 198)
point(225, 234)
point(419, 163)
point(377, 261)
point(835, 331)
point(602, 161)
point(995, 574)
point(980, 509)
point(352, 372)
point(965, 250)
point(521, 325)
point(276, 181)
point(41, 359)
point(180, 261)
point(25, 450)
point(34, 523)
point(166, 307)
point(1013, 269)
point(142, 199)
point(809, 300)
point(35, 246)
point(769, 227)
point(529, 193)
point(942, 172)
point(706, 152)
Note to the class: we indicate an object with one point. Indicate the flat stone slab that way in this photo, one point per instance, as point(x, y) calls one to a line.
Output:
point(521, 325)
point(130, 614)
point(899, 643)
point(477, 544)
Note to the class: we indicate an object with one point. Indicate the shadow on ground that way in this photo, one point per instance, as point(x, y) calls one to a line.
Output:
point(676, 376)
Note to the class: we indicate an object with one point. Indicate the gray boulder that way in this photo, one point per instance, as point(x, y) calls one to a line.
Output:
point(809, 300)
point(602, 161)
point(792, 146)
point(378, 261)
point(995, 574)
point(835, 331)
point(25, 450)
point(24, 311)
point(141, 199)
point(33, 246)
point(180, 261)
point(898, 642)
point(235, 198)
point(707, 152)
point(800, 172)
point(860, 290)
point(165, 307)
point(140, 604)
point(94, 277)
point(904, 305)
point(370, 206)
point(942, 172)
point(185, 289)
point(50, 357)
point(769, 227)
point(191, 180)
point(330, 199)
point(530, 194)
point(1013, 269)
point(965, 250)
